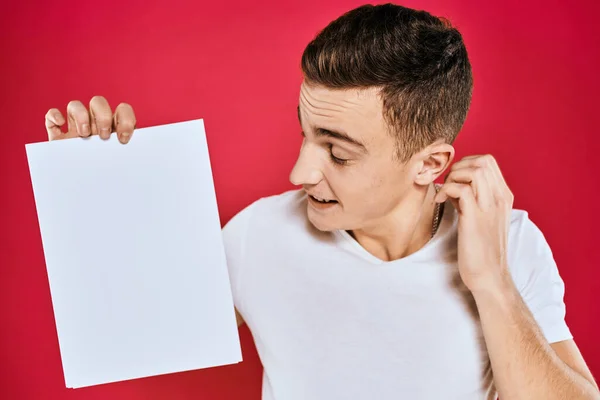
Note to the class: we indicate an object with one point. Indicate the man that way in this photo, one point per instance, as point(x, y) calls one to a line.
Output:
point(372, 282)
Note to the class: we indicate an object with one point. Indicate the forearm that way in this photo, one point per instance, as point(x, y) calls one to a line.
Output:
point(523, 363)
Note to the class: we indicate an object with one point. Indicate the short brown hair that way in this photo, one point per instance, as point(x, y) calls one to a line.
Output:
point(419, 61)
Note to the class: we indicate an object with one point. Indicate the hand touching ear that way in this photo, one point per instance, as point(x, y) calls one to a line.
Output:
point(484, 202)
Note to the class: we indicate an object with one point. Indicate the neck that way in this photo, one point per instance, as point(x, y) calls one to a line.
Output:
point(403, 231)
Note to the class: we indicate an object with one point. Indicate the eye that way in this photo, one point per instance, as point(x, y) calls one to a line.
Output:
point(337, 160)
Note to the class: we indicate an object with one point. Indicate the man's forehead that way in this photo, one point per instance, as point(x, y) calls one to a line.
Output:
point(354, 110)
point(319, 96)
point(353, 113)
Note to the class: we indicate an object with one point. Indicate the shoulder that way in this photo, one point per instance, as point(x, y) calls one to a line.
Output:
point(287, 202)
point(529, 254)
point(524, 236)
point(270, 212)
point(536, 276)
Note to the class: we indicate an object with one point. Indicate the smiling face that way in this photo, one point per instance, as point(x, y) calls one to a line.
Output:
point(348, 158)
point(402, 102)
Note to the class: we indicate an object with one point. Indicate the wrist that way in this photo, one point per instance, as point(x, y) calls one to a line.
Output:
point(498, 285)
point(499, 299)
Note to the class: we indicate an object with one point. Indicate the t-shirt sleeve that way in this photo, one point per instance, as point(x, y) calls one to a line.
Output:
point(537, 278)
point(234, 241)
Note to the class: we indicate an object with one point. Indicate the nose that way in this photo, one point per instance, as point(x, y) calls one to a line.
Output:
point(307, 170)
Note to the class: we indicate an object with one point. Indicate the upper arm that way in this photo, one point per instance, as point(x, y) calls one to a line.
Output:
point(234, 240)
point(537, 278)
point(542, 288)
point(569, 353)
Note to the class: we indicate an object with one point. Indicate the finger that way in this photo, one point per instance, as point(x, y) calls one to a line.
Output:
point(100, 117)
point(467, 162)
point(461, 192)
point(487, 161)
point(79, 119)
point(497, 173)
point(472, 156)
point(479, 179)
point(54, 121)
point(124, 122)
point(497, 183)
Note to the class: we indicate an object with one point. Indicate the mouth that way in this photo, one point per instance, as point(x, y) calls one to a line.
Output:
point(321, 203)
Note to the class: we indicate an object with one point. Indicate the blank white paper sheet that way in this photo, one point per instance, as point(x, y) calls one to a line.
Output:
point(134, 254)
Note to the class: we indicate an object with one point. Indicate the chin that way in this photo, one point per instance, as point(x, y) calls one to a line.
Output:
point(320, 222)
point(327, 223)
point(320, 225)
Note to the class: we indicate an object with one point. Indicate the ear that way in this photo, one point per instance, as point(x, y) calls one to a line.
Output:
point(432, 162)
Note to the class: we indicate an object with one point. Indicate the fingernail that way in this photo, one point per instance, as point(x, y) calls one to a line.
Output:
point(85, 129)
point(125, 134)
point(105, 133)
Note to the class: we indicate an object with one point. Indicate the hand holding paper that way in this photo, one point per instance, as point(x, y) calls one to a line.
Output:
point(134, 253)
point(99, 120)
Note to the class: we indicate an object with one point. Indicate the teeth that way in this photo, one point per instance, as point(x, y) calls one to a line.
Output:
point(321, 200)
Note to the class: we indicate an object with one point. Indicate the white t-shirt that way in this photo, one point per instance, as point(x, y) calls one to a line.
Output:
point(331, 321)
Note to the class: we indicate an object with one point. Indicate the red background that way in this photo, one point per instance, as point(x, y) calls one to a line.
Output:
point(237, 66)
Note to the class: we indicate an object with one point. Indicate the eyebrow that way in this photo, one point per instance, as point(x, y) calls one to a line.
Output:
point(335, 134)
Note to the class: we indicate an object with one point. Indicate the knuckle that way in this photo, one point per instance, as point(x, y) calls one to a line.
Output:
point(126, 118)
point(103, 120)
point(98, 99)
point(74, 104)
point(100, 107)
point(99, 104)
point(125, 106)
point(479, 173)
point(126, 125)
point(480, 162)
point(51, 113)
point(77, 109)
